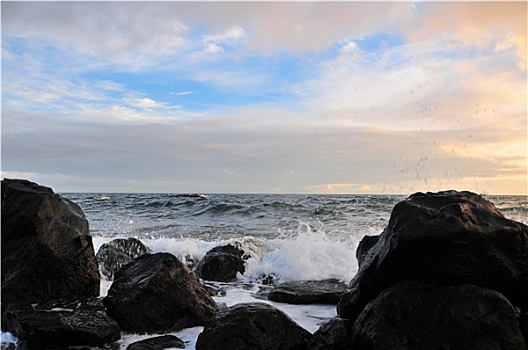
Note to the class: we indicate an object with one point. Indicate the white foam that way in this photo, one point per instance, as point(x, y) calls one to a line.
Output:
point(309, 255)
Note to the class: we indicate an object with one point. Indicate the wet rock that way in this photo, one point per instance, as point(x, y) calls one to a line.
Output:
point(156, 293)
point(45, 326)
point(366, 243)
point(333, 335)
point(47, 251)
point(230, 249)
point(413, 315)
point(444, 238)
point(221, 264)
point(252, 326)
point(327, 291)
point(158, 343)
point(118, 252)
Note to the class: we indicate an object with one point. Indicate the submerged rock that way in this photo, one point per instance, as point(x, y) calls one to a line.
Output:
point(158, 343)
point(156, 293)
point(44, 326)
point(252, 326)
point(221, 264)
point(47, 251)
point(118, 252)
point(327, 291)
point(445, 238)
point(413, 315)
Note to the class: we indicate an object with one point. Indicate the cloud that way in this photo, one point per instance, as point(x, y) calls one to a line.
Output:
point(147, 104)
point(118, 32)
point(499, 25)
point(292, 96)
point(109, 85)
point(228, 38)
point(182, 93)
point(349, 47)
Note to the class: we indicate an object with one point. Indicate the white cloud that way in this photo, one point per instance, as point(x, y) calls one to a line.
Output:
point(125, 33)
point(349, 47)
point(228, 172)
point(110, 85)
point(148, 104)
point(183, 93)
point(230, 36)
point(212, 48)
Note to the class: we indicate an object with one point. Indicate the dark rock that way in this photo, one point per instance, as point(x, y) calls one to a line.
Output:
point(523, 324)
point(219, 267)
point(221, 264)
point(364, 246)
point(47, 251)
point(118, 252)
point(412, 315)
point(44, 326)
point(252, 326)
point(189, 261)
point(158, 343)
point(333, 335)
point(267, 280)
point(230, 249)
point(445, 238)
point(308, 292)
point(156, 293)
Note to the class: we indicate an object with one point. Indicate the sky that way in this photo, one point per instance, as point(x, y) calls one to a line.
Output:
point(265, 97)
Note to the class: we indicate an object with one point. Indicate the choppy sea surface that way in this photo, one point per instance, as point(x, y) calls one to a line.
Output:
point(292, 237)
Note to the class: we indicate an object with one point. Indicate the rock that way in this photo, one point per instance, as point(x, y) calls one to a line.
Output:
point(230, 249)
point(523, 324)
point(43, 326)
point(156, 293)
point(327, 291)
point(118, 252)
point(333, 335)
point(444, 238)
point(221, 264)
point(47, 251)
point(252, 326)
point(158, 343)
point(366, 243)
point(413, 315)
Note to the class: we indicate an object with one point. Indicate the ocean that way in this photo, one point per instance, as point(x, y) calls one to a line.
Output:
point(292, 237)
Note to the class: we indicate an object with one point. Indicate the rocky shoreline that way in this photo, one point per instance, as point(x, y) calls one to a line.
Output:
point(449, 271)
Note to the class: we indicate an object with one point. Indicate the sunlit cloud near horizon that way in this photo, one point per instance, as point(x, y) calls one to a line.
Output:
point(276, 97)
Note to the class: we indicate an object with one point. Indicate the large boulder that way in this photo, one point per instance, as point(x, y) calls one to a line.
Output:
point(118, 252)
point(45, 326)
point(47, 251)
point(252, 326)
point(221, 264)
point(327, 291)
point(156, 293)
point(415, 316)
point(333, 335)
point(444, 238)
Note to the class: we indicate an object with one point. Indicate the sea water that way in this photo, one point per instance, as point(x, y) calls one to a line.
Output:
point(289, 237)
